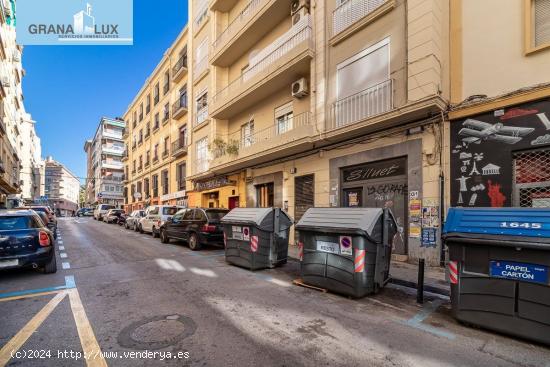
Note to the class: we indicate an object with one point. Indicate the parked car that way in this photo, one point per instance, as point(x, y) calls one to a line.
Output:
point(155, 217)
point(52, 224)
point(122, 219)
point(101, 210)
point(112, 215)
point(199, 226)
point(25, 241)
point(132, 221)
point(85, 212)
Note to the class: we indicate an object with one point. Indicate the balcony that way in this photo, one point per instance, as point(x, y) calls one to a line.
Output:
point(165, 153)
point(352, 12)
point(274, 68)
point(179, 108)
point(278, 140)
point(166, 117)
point(179, 147)
point(248, 27)
point(113, 134)
point(112, 164)
point(147, 164)
point(155, 159)
point(360, 106)
point(125, 133)
point(200, 166)
point(147, 134)
point(124, 156)
point(180, 69)
point(140, 168)
point(113, 150)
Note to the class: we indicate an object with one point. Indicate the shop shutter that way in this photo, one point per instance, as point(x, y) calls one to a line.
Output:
point(542, 22)
point(304, 195)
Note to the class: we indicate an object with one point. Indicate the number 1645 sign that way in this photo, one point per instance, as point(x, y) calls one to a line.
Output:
point(528, 225)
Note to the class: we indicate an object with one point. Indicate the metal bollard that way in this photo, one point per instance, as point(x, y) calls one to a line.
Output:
point(420, 284)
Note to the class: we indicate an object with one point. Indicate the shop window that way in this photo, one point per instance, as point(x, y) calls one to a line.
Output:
point(304, 190)
point(265, 195)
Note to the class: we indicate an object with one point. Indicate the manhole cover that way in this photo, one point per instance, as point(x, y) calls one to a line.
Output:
point(156, 332)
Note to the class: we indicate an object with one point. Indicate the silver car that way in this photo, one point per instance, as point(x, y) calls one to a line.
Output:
point(155, 217)
point(132, 222)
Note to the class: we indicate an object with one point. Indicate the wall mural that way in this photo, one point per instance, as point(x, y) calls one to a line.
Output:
point(482, 148)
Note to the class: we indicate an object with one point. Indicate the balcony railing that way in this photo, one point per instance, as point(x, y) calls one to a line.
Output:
point(180, 68)
point(140, 168)
point(351, 12)
point(179, 108)
point(238, 144)
point(237, 23)
point(155, 159)
point(147, 164)
point(165, 153)
point(268, 56)
point(200, 67)
point(370, 102)
point(179, 147)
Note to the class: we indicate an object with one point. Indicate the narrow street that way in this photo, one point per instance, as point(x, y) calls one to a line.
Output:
point(140, 295)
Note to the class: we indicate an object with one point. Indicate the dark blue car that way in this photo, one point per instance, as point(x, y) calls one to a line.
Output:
point(25, 241)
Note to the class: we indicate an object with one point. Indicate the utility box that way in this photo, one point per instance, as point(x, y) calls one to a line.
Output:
point(346, 250)
point(499, 260)
point(256, 238)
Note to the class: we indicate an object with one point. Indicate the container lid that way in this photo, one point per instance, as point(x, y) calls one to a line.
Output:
point(260, 217)
point(361, 221)
point(505, 223)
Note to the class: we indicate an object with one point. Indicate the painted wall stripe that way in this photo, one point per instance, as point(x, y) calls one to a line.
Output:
point(24, 334)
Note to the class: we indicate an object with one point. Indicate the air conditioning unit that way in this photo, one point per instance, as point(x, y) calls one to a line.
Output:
point(298, 16)
point(297, 5)
point(299, 88)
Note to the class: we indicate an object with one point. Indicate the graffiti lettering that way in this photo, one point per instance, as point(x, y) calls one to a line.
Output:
point(385, 192)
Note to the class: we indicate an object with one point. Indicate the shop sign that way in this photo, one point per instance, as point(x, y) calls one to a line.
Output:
point(174, 195)
point(213, 183)
point(370, 171)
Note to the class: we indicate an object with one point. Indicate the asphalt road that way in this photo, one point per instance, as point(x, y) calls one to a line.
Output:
point(123, 292)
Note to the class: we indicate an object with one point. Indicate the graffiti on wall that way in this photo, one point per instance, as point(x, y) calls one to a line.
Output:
point(482, 149)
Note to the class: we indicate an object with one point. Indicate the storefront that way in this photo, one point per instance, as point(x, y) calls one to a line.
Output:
point(176, 198)
point(218, 192)
point(502, 158)
point(265, 191)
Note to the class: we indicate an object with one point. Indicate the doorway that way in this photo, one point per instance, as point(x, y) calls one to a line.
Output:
point(233, 202)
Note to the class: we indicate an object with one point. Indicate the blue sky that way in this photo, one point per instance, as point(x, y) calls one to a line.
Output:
point(68, 88)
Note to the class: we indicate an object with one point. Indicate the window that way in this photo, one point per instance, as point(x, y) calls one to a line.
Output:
point(182, 138)
point(140, 136)
point(134, 166)
point(157, 122)
point(166, 112)
point(284, 118)
point(147, 157)
point(202, 108)
point(363, 84)
point(138, 187)
point(140, 162)
point(265, 195)
point(156, 152)
point(181, 174)
point(135, 119)
point(166, 147)
point(188, 215)
point(156, 94)
point(148, 129)
point(247, 134)
point(155, 185)
point(166, 81)
point(537, 23)
point(141, 112)
point(148, 104)
point(202, 153)
point(165, 182)
point(201, 58)
point(146, 188)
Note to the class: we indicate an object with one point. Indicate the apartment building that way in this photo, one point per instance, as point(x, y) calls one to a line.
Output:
point(32, 165)
point(62, 188)
point(312, 103)
point(105, 152)
point(499, 134)
point(156, 135)
point(11, 106)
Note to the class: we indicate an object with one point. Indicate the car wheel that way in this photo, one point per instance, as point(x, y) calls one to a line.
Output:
point(136, 227)
point(51, 266)
point(126, 226)
point(194, 244)
point(164, 236)
point(154, 233)
point(141, 229)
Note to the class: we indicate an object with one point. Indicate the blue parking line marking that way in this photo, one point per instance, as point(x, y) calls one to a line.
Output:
point(69, 282)
point(417, 320)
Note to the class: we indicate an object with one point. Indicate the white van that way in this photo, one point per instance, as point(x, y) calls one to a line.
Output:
point(101, 210)
point(156, 216)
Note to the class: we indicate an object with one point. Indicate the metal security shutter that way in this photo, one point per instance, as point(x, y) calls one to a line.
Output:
point(304, 195)
point(542, 22)
point(532, 179)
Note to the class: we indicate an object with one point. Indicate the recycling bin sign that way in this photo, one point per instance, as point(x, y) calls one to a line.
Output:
point(519, 271)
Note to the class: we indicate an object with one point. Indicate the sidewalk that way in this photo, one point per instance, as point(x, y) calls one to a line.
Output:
point(406, 274)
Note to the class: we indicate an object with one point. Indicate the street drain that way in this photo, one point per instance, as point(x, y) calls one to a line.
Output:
point(156, 332)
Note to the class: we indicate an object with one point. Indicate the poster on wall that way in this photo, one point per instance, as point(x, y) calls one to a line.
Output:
point(483, 149)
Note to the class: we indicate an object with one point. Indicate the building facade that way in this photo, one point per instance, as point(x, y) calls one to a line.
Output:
point(62, 188)
point(105, 170)
point(500, 119)
point(157, 134)
point(32, 166)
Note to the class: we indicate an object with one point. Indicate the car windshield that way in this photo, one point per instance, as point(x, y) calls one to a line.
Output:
point(14, 223)
point(117, 211)
point(170, 210)
point(107, 207)
point(216, 214)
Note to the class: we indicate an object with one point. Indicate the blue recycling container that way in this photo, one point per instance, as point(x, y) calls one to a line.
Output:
point(499, 260)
